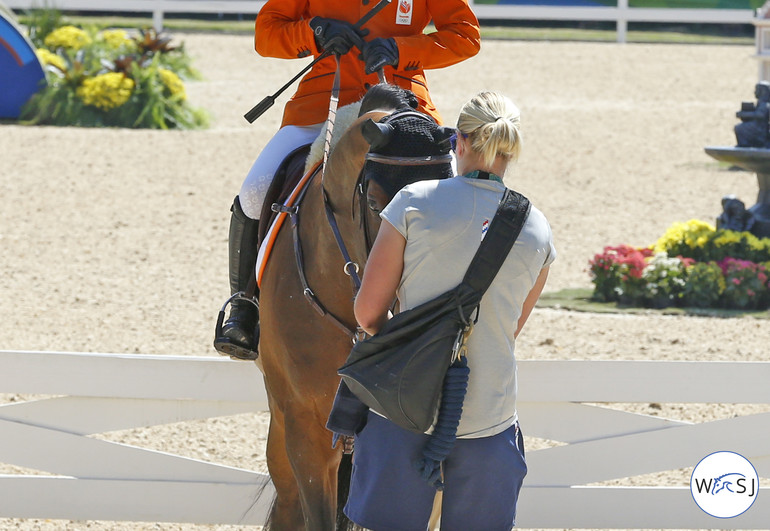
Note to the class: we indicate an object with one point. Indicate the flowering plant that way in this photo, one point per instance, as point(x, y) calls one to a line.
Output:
point(664, 280)
point(704, 286)
point(746, 283)
point(617, 270)
point(110, 78)
point(702, 242)
point(713, 268)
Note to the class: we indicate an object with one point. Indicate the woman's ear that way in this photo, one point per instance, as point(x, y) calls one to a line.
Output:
point(460, 144)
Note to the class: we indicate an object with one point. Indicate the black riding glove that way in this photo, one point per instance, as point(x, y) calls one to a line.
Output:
point(336, 36)
point(379, 52)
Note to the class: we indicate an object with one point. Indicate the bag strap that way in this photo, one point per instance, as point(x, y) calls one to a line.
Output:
point(502, 234)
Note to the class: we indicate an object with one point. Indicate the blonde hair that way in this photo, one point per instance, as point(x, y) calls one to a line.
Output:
point(492, 123)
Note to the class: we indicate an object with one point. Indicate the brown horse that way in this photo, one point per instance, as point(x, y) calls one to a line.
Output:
point(300, 349)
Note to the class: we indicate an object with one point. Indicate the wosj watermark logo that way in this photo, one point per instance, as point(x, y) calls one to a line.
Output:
point(724, 484)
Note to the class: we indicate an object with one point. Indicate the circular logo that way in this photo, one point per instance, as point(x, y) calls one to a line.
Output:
point(724, 484)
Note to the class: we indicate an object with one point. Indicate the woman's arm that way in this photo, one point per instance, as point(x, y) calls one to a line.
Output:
point(282, 30)
point(529, 302)
point(457, 37)
point(381, 278)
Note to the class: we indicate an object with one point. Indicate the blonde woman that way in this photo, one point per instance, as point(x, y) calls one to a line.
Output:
point(430, 232)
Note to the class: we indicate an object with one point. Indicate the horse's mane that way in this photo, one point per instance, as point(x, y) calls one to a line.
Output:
point(345, 117)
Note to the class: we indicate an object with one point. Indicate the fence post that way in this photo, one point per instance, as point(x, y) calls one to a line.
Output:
point(622, 21)
point(157, 16)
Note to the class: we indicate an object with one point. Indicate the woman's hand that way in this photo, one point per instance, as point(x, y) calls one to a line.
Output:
point(381, 278)
point(336, 36)
point(378, 53)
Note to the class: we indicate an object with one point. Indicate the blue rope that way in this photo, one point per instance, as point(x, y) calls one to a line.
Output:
point(444, 435)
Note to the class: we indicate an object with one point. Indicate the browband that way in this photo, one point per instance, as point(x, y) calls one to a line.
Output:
point(409, 161)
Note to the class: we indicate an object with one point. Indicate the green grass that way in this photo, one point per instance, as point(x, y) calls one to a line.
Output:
point(534, 31)
point(579, 300)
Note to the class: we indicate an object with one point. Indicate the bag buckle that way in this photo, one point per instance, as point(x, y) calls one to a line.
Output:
point(460, 350)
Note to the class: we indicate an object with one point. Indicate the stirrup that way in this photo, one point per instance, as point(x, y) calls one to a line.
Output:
point(225, 345)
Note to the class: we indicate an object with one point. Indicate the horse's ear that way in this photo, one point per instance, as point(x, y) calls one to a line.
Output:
point(443, 134)
point(377, 134)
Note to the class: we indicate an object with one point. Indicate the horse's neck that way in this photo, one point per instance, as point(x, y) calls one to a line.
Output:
point(339, 182)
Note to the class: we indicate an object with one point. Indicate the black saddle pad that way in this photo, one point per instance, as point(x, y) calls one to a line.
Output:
point(286, 178)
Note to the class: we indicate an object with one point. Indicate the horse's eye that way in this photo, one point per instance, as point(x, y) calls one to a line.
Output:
point(372, 204)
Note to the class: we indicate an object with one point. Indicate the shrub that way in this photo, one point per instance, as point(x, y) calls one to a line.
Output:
point(664, 280)
point(110, 78)
point(705, 285)
point(615, 270)
point(746, 284)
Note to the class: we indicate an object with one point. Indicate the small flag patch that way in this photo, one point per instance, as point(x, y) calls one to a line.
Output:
point(484, 228)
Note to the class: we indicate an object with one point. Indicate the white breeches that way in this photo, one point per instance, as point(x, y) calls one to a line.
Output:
point(286, 140)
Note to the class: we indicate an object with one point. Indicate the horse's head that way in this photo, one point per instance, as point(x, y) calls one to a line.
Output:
point(389, 146)
point(405, 147)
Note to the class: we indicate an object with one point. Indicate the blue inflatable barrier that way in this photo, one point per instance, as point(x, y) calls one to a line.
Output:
point(21, 74)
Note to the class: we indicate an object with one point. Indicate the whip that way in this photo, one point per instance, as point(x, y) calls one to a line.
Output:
point(268, 102)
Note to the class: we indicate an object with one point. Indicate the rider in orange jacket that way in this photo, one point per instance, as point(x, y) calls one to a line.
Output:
point(392, 43)
point(282, 30)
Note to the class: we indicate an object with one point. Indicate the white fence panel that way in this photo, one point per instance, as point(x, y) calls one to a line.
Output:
point(99, 480)
point(621, 15)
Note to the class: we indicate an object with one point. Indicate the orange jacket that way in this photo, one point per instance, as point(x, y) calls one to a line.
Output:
point(283, 31)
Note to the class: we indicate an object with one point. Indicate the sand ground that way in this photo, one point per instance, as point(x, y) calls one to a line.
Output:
point(115, 240)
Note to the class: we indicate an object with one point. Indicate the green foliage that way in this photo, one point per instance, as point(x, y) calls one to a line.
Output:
point(705, 285)
point(746, 284)
point(41, 22)
point(109, 78)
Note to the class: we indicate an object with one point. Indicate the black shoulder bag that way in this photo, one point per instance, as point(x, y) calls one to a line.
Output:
point(399, 372)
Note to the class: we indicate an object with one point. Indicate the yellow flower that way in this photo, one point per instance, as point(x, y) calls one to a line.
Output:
point(50, 58)
point(693, 233)
point(727, 237)
point(106, 91)
point(115, 38)
point(67, 37)
point(753, 242)
point(173, 83)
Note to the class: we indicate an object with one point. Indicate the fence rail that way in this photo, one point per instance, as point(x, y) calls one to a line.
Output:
point(622, 14)
point(91, 479)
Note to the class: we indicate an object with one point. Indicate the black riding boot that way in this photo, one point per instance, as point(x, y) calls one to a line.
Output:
point(239, 336)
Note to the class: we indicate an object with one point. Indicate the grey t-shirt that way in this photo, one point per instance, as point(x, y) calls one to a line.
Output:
point(443, 223)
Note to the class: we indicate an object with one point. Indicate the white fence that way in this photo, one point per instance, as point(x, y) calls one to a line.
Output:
point(622, 14)
point(93, 479)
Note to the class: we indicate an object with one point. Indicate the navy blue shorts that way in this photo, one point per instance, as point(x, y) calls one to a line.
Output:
point(482, 480)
